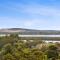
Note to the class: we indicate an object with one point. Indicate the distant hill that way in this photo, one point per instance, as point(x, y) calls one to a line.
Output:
point(29, 31)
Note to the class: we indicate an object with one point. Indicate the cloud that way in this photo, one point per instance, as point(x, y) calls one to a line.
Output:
point(44, 11)
point(14, 22)
point(36, 9)
point(32, 16)
point(7, 22)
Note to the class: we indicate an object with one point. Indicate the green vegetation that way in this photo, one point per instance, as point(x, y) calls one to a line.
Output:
point(13, 48)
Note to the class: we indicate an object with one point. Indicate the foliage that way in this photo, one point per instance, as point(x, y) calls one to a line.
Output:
point(12, 48)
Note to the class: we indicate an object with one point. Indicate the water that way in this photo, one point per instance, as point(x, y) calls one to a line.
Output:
point(52, 41)
point(39, 35)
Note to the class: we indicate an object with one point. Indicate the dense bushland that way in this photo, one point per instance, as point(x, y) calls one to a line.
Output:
point(13, 48)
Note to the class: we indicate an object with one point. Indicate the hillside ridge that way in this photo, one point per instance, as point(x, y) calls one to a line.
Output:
point(29, 31)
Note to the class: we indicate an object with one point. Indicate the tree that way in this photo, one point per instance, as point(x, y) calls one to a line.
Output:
point(52, 52)
point(8, 57)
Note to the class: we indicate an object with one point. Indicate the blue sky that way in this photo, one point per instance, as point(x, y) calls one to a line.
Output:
point(32, 14)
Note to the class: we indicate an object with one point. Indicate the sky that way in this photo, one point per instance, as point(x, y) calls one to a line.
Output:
point(30, 14)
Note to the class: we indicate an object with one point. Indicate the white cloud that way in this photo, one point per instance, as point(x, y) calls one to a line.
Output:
point(38, 10)
point(44, 11)
point(31, 24)
point(35, 9)
point(11, 22)
point(49, 12)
